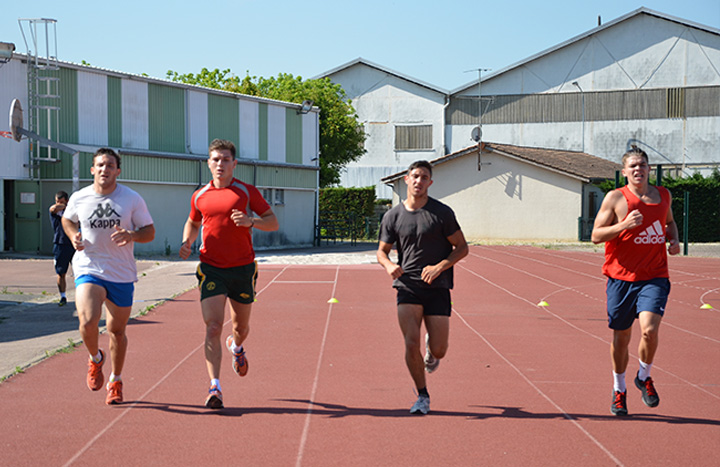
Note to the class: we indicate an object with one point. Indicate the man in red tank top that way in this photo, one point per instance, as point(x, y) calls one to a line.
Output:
point(635, 222)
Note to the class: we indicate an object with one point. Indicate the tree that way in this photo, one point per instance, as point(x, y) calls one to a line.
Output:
point(342, 137)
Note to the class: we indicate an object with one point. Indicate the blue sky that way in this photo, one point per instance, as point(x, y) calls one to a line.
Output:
point(433, 43)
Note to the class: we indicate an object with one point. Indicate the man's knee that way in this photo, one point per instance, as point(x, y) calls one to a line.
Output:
point(213, 328)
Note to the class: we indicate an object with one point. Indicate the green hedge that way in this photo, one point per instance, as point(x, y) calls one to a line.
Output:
point(704, 200)
point(346, 211)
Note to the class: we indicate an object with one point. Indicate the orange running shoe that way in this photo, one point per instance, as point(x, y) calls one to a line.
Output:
point(240, 363)
point(95, 378)
point(114, 393)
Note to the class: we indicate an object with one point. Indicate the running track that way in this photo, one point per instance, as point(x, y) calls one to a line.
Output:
point(521, 384)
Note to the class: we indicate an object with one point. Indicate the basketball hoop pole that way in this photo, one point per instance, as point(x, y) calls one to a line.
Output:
point(61, 147)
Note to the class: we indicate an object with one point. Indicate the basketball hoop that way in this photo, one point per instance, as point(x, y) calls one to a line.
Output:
point(16, 120)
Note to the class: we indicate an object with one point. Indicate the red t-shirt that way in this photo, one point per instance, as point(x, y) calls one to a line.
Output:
point(639, 254)
point(225, 245)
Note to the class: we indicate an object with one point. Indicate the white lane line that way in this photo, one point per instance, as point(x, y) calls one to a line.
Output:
point(306, 427)
point(112, 423)
point(569, 417)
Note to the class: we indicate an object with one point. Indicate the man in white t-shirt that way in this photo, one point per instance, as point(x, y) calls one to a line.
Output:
point(103, 220)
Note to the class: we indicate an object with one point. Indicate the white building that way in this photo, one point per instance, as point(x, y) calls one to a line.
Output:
point(513, 192)
point(161, 130)
point(403, 119)
point(645, 78)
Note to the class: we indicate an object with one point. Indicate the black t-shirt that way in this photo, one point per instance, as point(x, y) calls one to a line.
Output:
point(59, 236)
point(421, 238)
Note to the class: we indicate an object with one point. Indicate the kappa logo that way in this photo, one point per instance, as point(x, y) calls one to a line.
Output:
point(99, 219)
point(653, 235)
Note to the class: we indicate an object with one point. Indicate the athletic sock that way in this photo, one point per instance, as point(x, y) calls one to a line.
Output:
point(97, 358)
point(619, 382)
point(644, 371)
point(236, 349)
point(423, 392)
point(62, 295)
point(114, 377)
point(215, 382)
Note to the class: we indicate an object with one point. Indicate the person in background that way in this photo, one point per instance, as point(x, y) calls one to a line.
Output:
point(63, 250)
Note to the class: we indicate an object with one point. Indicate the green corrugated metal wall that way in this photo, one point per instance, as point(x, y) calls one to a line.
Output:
point(293, 137)
point(166, 117)
point(162, 170)
point(166, 114)
point(114, 105)
point(67, 131)
point(223, 118)
point(285, 177)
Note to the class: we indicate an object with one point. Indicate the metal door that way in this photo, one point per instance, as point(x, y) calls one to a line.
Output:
point(28, 224)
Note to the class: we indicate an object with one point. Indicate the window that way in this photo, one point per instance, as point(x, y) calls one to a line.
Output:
point(279, 197)
point(413, 137)
point(267, 194)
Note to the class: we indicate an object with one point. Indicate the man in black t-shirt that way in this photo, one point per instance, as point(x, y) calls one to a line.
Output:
point(429, 242)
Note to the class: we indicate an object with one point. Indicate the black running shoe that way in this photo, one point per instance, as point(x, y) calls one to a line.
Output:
point(619, 405)
point(649, 394)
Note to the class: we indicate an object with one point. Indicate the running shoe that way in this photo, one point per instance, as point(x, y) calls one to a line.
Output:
point(214, 398)
point(240, 363)
point(649, 394)
point(95, 378)
point(431, 363)
point(421, 405)
point(114, 393)
point(63, 301)
point(619, 404)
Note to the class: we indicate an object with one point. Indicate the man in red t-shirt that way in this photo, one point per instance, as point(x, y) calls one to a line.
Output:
point(635, 222)
point(224, 208)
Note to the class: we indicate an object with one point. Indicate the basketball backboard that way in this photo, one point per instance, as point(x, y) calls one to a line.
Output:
point(16, 120)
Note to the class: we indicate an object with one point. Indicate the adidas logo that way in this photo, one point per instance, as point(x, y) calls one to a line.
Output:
point(653, 235)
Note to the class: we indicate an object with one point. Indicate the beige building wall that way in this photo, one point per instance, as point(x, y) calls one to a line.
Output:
point(508, 199)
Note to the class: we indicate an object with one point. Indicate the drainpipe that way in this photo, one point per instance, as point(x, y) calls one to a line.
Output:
point(444, 125)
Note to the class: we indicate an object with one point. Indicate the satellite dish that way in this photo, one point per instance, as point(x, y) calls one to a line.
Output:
point(476, 134)
point(16, 120)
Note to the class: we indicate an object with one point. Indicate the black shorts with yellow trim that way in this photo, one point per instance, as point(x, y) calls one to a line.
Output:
point(237, 283)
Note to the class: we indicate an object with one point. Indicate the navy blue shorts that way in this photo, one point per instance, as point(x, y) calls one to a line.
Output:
point(625, 300)
point(435, 301)
point(63, 254)
point(120, 293)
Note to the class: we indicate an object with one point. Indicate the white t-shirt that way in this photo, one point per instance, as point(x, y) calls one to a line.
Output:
point(98, 215)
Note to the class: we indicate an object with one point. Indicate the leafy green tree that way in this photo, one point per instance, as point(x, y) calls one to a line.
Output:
point(341, 135)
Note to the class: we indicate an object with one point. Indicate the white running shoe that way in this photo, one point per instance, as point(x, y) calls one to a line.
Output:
point(421, 406)
point(431, 363)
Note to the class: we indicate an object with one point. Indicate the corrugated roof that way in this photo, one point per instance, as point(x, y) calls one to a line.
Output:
point(571, 163)
point(609, 24)
point(362, 61)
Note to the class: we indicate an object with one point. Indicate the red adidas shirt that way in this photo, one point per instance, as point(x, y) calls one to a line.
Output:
point(225, 245)
point(639, 254)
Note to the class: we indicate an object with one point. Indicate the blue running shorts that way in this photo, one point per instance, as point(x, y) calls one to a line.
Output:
point(625, 300)
point(120, 293)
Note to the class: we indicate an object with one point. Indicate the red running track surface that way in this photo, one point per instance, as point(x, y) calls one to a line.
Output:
point(522, 384)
